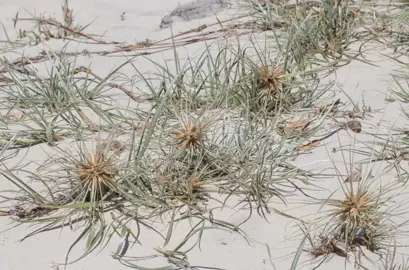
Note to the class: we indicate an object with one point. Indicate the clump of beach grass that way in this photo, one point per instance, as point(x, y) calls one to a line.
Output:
point(208, 138)
point(364, 220)
point(327, 28)
point(177, 162)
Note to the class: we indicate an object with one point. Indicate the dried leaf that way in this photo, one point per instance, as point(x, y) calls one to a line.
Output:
point(354, 125)
point(333, 107)
point(114, 146)
point(307, 147)
point(15, 116)
point(297, 124)
point(317, 252)
point(355, 175)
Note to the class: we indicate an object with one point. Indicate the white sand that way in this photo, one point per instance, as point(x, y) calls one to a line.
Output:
point(224, 250)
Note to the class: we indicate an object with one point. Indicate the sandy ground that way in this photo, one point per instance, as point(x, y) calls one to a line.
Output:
point(223, 250)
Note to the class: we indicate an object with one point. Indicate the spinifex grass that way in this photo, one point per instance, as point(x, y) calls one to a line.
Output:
point(271, 85)
point(61, 90)
point(69, 179)
point(245, 79)
point(392, 145)
point(365, 219)
point(313, 33)
point(97, 175)
point(356, 216)
point(76, 190)
point(272, 92)
point(272, 79)
point(191, 134)
point(208, 139)
point(60, 105)
point(394, 23)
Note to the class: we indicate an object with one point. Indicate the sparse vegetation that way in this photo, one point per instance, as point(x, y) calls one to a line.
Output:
point(216, 131)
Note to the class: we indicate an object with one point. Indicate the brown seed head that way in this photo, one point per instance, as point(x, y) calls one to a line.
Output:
point(190, 136)
point(97, 173)
point(272, 79)
point(356, 205)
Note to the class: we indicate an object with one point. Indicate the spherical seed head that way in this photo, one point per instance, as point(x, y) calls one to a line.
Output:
point(96, 173)
point(357, 205)
point(190, 136)
point(272, 79)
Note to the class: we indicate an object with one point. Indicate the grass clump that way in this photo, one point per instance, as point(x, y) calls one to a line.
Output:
point(357, 214)
point(208, 139)
point(361, 223)
point(316, 31)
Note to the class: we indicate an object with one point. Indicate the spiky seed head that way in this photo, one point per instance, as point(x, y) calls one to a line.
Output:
point(272, 79)
point(97, 174)
point(190, 136)
point(356, 208)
